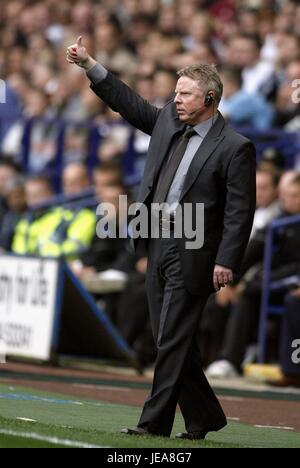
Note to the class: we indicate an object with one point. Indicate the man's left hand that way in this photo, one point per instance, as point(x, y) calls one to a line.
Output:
point(222, 277)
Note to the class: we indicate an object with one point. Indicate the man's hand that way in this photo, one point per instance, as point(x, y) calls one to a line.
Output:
point(222, 277)
point(78, 55)
point(141, 265)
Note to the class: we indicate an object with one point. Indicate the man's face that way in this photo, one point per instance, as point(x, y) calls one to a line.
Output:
point(293, 71)
point(267, 192)
point(111, 196)
point(75, 181)
point(288, 50)
point(291, 199)
point(103, 180)
point(6, 173)
point(16, 199)
point(163, 85)
point(37, 193)
point(242, 53)
point(189, 101)
point(107, 38)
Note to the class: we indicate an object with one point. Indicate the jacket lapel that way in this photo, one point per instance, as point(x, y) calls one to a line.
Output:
point(208, 146)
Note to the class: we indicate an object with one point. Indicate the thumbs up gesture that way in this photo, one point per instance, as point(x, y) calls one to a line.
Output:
point(77, 54)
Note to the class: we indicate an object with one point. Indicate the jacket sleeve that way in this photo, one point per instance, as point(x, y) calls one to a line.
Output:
point(133, 108)
point(240, 207)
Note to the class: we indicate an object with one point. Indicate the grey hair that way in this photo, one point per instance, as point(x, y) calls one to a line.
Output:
point(207, 77)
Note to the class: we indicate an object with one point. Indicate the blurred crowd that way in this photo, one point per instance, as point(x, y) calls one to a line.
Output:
point(256, 46)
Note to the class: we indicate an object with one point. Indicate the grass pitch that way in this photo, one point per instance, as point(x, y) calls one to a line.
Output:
point(30, 418)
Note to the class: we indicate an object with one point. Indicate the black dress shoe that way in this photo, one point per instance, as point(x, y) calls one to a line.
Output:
point(191, 435)
point(200, 435)
point(137, 431)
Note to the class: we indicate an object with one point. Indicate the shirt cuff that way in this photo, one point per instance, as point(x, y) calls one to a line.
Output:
point(97, 73)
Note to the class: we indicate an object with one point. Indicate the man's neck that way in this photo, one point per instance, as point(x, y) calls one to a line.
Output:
point(205, 118)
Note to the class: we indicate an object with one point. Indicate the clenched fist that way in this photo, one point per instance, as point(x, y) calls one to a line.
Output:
point(77, 54)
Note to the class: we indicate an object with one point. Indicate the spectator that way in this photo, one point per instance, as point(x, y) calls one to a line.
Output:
point(288, 50)
point(272, 160)
point(243, 321)
point(292, 77)
point(242, 108)
point(285, 181)
point(74, 234)
point(290, 333)
point(105, 249)
point(48, 231)
point(8, 171)
point(16, 206)
point(107, 175)
point(109, 48)
point(201, 30)
point(164, 83)
point(243, 51)
point(141, 26)
point(42, 137)
point(75, 179)
point(37, 225)
point(217, 311)
point(10, 108)
point(248, 19)
point(268, 206)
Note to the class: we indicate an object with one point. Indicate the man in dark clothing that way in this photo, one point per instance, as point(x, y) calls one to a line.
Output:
point(105, 249)
point(16, 204)
point(8, 171)
point(242, 326)
point(290, 343)
point(194, 158)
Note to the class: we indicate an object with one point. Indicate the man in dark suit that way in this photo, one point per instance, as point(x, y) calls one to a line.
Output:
point(193, 158)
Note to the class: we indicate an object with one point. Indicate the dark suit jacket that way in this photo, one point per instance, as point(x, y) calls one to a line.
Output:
point(222, 176)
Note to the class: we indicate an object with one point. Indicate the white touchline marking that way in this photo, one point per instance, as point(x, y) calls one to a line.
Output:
point(234, 419)
point(275, 427)
point(228, 398)
point(26, 419)
point(51, 440)
point(102, 387)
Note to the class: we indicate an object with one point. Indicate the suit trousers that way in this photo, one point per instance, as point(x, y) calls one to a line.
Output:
point(178, 374)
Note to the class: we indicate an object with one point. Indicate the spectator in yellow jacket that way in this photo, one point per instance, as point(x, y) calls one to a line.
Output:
point(52, 232)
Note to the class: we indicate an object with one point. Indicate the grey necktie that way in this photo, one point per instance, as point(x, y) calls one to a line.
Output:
point(168, 171)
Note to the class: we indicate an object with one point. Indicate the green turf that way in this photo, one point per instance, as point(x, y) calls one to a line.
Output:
point(98, 423)
point(18, 442)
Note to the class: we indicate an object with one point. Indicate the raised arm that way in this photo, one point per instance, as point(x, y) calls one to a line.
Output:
point(116, 94)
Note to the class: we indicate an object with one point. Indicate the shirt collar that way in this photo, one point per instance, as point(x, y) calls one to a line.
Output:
point(203, 128)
